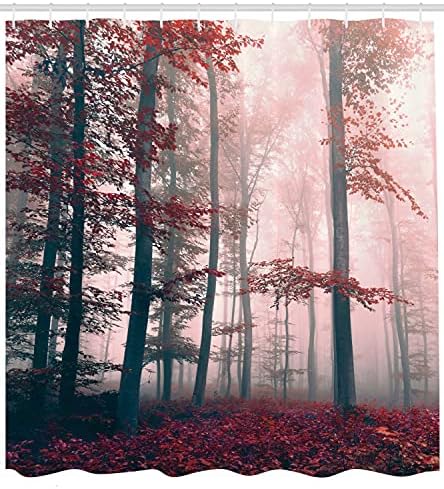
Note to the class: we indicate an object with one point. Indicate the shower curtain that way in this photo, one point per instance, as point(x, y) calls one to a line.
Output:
point(221, 246)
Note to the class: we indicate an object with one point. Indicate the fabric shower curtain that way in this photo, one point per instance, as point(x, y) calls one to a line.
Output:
point(221, 246)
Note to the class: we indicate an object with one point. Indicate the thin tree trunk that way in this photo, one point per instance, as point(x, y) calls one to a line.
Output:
point(75, 313)
point(106, 352)
point(404, 305)
point(396, 306)
point(311, 364)
point(158, 380)
point(180, 380)
point(168, 354)
point(346, 393)
point(223, 349)
point(246, 303)
point(275, 355)
point(396, 375)
point(205, 343)
point(128, 401)
point(425, 345)
point(387, 352)
point(52, 238)
point(232, 318)
point(240, 348)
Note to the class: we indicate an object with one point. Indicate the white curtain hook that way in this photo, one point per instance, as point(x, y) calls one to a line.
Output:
point(87, 15)
point(235, 17)
point(309, 16)
point(346, 16)
point(272, 13)
point(161, 16)
point(50, 16)
point(420, 16)
point(199, 27)
point(383, 16)
point(13, 15)
point(124, 14)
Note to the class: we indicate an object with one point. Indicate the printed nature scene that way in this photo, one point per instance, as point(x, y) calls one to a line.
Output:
point(221, 247)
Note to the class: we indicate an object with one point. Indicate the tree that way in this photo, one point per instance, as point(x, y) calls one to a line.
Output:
point(205, 343)
point(345, 395)
point(71, 349)
point(51, 246)
point(128, 402)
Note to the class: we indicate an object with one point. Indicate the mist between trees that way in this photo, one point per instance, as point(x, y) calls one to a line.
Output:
point(220, 214)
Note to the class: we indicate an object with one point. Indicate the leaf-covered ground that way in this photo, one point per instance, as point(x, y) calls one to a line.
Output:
point(248, 438)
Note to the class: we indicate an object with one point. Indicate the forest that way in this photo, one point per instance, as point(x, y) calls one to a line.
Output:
point(221, 246)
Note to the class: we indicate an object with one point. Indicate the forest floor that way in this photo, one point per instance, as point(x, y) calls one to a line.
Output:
point(248, 438)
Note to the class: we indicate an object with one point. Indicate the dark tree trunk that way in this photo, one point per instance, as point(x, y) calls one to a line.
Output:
point(205, 342)
point(158, 380)
point(128, 401)
point(396, 306)
point(52, 238)
point(328, 206)
point(346, 393)
point(168, 353)
point(180, 380)
point(75, 313)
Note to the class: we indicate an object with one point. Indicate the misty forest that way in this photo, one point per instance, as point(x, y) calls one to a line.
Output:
point(221, 246)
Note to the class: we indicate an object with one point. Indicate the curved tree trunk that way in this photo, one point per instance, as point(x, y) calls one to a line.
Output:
point(75, 313)
point(128, 400)
point(205, 342)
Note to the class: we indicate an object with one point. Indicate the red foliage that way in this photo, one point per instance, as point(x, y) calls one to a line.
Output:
point(249, 438)
point(295, 283)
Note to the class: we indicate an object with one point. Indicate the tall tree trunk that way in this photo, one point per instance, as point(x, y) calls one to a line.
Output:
point(243, 261)
point(52, 238)
point(388, 356)
point(396, 374)
point(223, 348)
point(311, 363)
point(75, 313)
point(205, 342)
point(287, 323)
point(128, 401)
point(232, 318)
point(404, 305)
point(425, 356)
point(240, 352)
point(328, 205)
point(168, 353)
point(346, 393)
point(276, 354)
point(396, 306)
